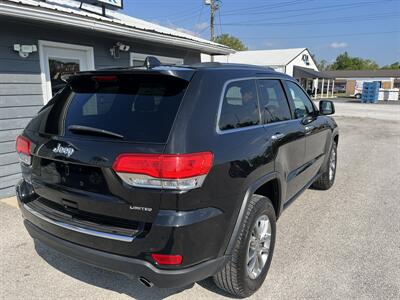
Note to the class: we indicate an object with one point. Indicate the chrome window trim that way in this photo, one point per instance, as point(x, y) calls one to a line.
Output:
point(101, 234)
point(219, 131)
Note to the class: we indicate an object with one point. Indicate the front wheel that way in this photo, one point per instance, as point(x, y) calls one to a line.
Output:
point(326, 180)
point(247, 268)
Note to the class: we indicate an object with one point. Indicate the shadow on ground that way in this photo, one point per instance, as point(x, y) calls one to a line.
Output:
point(102, 278)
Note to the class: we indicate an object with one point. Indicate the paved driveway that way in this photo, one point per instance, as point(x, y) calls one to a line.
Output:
point(367, 110)
point(339, 244)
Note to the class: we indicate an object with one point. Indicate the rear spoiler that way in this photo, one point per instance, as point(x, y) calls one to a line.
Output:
point(151, 66)
point(177, 72)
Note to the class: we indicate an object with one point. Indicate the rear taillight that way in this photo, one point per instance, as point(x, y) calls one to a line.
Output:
point(167, 259)
point(23, 147)
point(164, 171)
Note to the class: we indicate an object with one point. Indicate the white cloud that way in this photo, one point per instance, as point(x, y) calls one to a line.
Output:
point(269, 44)
point(337, 45)
point(201, 26)
point(169, 24)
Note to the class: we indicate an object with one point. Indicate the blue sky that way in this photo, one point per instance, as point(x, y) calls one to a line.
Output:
point(365, 28)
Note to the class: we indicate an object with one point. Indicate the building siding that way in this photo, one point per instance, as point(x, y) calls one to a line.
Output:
point(20, 99)
point(21, 94)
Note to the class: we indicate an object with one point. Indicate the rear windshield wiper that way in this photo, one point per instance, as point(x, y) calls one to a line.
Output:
point(94, 131)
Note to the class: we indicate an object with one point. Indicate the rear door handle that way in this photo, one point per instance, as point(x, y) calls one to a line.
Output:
point(277, 136)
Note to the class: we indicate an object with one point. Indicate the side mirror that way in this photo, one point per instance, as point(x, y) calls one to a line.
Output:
point(326, 107)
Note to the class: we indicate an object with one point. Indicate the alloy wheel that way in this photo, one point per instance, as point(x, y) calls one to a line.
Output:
point(332, 164)
point(258, 248)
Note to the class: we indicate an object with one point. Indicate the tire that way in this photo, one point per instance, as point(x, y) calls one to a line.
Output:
point(325, 181)
point(358, 96)
point(234, 277)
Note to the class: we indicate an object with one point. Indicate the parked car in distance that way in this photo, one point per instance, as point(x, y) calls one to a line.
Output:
point(340, 89)
point(174, 173)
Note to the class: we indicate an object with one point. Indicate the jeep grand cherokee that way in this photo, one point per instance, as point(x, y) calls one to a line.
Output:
point(174, 173)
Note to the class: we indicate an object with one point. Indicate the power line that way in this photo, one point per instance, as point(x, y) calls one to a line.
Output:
point(325, 7)
point(269, 6)
point(292, 16)
point(220, 23)
point(360, 18)
point(201, 12)
point(173, 15)
point(322, 36)
point(185, 17)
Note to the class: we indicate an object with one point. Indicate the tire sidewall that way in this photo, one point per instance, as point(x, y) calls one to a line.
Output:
point(262, 207)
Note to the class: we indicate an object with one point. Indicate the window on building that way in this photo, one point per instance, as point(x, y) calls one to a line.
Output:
point(58, 67)
point(273, 104)
point(240, 105)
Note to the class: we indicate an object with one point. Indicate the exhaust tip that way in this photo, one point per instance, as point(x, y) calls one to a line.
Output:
point(146, 282)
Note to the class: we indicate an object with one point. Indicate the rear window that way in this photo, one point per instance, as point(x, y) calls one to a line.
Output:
point(139, 108)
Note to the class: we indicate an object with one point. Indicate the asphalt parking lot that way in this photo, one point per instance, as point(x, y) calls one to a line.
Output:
point(339, 244)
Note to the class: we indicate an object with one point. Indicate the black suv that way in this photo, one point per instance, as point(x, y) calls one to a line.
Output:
point(173, 174)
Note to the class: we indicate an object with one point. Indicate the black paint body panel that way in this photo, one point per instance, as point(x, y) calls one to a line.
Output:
point(199, 224)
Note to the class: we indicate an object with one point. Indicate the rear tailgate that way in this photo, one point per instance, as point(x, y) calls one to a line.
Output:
point(86, 182)
point(77, 137)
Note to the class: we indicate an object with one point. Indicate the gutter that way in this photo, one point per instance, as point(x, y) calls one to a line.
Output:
point(55, 17)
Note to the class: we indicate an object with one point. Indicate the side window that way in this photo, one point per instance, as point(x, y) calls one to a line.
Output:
point(302, 103)
point(239, 106)
point(273, 104)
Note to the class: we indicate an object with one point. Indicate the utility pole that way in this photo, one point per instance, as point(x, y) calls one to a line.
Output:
point(212, 20)
point(214, 6)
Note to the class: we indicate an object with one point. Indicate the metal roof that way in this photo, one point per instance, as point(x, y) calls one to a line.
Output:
point(276, 57)
point(364, 73)
point(67, 12)
point(301, 72)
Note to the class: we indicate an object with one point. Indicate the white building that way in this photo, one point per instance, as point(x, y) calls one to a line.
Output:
point(296, 62)
point(281, 60)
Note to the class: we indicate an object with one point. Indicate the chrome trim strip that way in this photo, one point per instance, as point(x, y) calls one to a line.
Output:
point(105, 235)
point(221, 99)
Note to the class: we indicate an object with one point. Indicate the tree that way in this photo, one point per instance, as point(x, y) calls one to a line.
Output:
point(393, 66)
point(230, 41)
point(346, 62)
point(322, 65)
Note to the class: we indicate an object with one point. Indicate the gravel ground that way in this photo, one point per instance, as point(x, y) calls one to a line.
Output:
point(339, 244)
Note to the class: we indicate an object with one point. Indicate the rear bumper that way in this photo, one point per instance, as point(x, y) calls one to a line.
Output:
point(127, 265)
point(100, 248)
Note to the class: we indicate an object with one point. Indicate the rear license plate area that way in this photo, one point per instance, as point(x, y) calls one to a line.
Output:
point(71, 175)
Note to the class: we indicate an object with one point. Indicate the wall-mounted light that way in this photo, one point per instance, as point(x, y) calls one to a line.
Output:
point(115, 50)
point(25, 50)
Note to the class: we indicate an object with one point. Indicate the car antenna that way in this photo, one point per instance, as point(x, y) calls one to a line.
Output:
point(151, 62)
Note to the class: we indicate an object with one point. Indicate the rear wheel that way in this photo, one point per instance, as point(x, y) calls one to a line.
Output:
point(326, 180)
point(248, 266)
